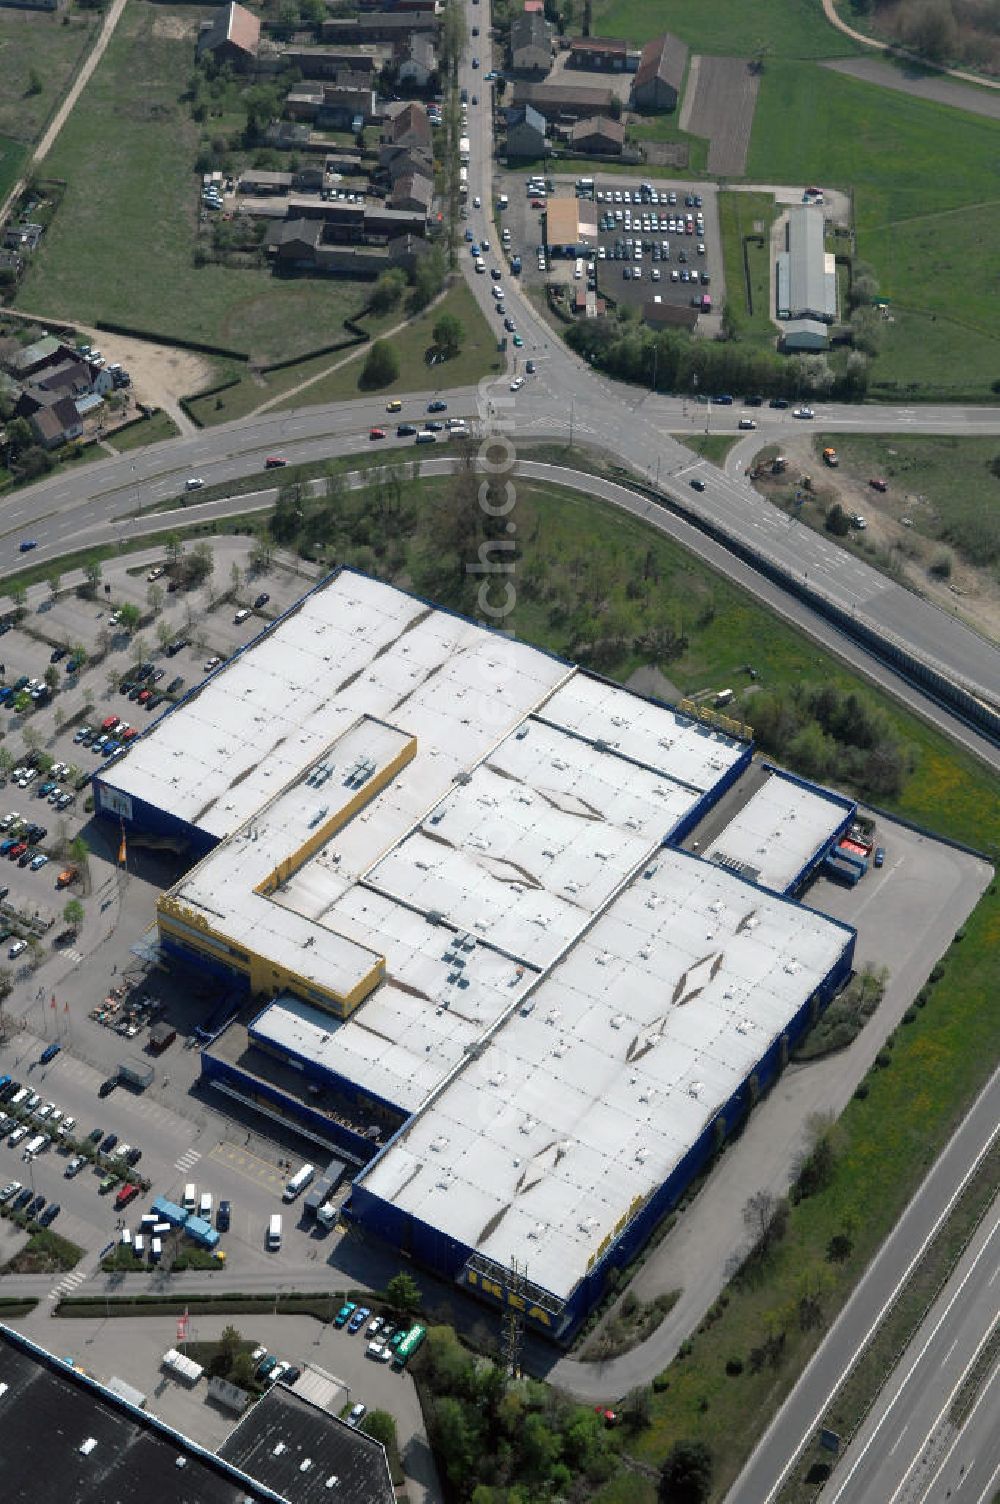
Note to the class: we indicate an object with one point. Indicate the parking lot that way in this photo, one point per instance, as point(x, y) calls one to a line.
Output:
point(645, 247)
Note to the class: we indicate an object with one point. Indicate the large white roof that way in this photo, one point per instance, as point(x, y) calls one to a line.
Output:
point(779, 830)
point(596, 1087)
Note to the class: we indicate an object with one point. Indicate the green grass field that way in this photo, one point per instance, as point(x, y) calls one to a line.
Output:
point(739, 213)
point(121, 246)
point(785, 28)
point(160, 426)
point(12, 157)
point(959, 495)
point(665, 128)
point(477, 357)
point(927, 218)
point(43, 49)
point(711, 446)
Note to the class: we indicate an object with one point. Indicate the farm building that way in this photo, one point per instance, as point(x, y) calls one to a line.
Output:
point(804, 335)
point(438, 871)
point(806, 282)
point(658, 79)
point(231, 37)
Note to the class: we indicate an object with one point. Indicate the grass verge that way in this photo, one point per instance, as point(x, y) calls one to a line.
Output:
point(775, 28)
point(44, 1253)
point(477, 357)
point(853, 1400)
point(711, 446)
point(150, 431)
point(13, 155)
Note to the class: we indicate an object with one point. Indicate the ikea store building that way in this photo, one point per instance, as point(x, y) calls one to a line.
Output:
point(441, 871)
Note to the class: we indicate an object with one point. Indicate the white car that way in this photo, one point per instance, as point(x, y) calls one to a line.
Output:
point(193, 483)
point(803, 412)
point(74, 1167)
point(477, 202)
point(17, 949)
point(517, 383)
point(357, 1415)
point(379, 1351)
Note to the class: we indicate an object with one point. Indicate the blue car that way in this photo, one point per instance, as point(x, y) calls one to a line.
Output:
point(8, 845)
point(28, 545)
point(474, 249)
point(109, 748)
point(468, 236)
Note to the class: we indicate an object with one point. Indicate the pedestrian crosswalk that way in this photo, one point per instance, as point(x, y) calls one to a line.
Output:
point(68, 1285)
point(188, 1159)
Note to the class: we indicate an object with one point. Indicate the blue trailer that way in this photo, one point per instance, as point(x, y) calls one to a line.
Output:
point(169, 1211)
point(850, 856)
point(846, 872)
point(201, 1232)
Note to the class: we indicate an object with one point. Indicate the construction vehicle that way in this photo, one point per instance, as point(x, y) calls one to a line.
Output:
point(831, 458)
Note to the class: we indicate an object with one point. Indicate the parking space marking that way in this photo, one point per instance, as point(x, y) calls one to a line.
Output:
point(250, 1165)
point(188, 1159)
point(67, 1285)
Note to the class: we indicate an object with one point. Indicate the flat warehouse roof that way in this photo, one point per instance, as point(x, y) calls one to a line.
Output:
point(778, 832)
point(589, 1096)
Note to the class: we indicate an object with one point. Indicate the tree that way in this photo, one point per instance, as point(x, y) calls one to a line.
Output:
point(91, 576)
point(139, 649)
point(403, 1291)
point(453, 1438)
point(32, 738)
point(52, 676)
point(19, 437)
point(930, 29)
point(73, 913)
point(201, 564)
point(388, 290)
point(235, 578)
point(428, 276)
point(637, 1408)
point(686, 1476)
point(164, 632)
point(155, 598)
point(766, 1218)
point(837, 521)
point(129, 617)
point(113, 681)
point(34, 82)
point(381, 367)
point(448, 334)
point(19, 596)
point(78, 849)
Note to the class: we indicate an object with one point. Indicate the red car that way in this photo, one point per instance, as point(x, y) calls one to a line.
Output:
point(128, 735)
point(879, 485)
point(377, 433)
point(18, 850)
point(538, 203)
point(274, 462)
point(125, 1195)
point(110, 723)
point(144, 695)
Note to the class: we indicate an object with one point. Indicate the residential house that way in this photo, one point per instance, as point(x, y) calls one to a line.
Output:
point(598, 54)
point(231, 38)
point(564, 102)
point(525, 132)
point(293, 243)
point(304, 103)
point(660, 74)
point(410, 126)
point(418, 61)
point(412, 192)
point(69, 374)
point(309, 179)
point(599, 135)
point(402, 161)
point(57, 424)
point(530, 44)
point(349, 99)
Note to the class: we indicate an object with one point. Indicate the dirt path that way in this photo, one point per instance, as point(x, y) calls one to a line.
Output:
point(960, 96)
point(280, 398)
point(830, 11)
point(59, 118)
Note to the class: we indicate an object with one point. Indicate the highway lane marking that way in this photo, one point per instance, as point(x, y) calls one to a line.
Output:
point(987, 1492)
point(949, 1352)
point(958, 1434)
point(793, 1454)
point(918, 1359)
point(899, 1438)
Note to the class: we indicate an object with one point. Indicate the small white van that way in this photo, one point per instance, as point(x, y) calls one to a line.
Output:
point(274, 1232)
point(190, 1199)
point(35, 1146)
point(578, 269)
point(299, 1181)
point(205, 1206)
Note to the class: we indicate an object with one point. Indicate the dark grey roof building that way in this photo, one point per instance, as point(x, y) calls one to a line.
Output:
point(295, 1449)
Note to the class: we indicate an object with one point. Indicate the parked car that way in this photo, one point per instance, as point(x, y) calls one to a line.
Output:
point(357, 1415)
point(261, 600)
point(345, 1313)
point(879, 858)
point(223, 1216)
point(74, 1166)
point(358, 1319)
point(50, 1214)
point(104, 1090)
point(109, 1143)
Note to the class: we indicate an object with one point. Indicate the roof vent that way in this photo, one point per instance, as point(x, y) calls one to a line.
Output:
point(278, 1448)
point(181, 1462)
point(86, 1447)
point(305, 1464)
point(332, 1481)
point(618, 1020)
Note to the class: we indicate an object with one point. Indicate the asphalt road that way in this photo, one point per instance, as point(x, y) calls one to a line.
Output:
point(801, 1413)
point(908, 1445)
